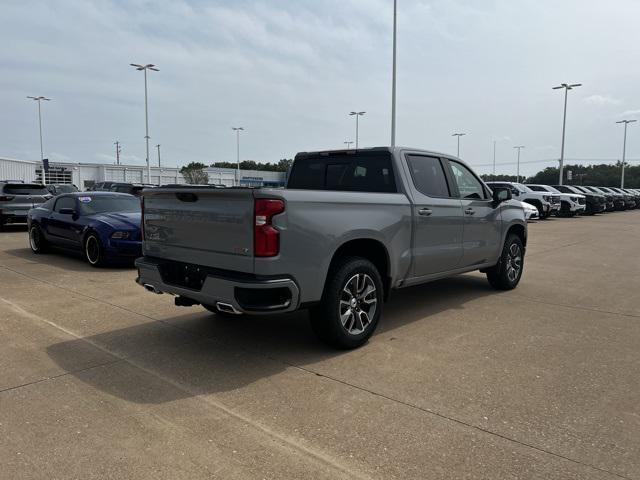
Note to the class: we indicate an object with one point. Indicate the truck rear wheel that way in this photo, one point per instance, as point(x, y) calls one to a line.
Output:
point(351, 304)
point(506, 274)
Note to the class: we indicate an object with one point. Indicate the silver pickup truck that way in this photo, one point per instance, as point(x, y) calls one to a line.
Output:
point(349, 227)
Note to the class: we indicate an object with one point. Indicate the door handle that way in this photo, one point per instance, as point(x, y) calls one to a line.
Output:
point(425, 211)
point(469, 211)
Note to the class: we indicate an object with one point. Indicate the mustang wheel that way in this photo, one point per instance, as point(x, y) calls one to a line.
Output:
point(351, 305)
point(37, 241)
point(93, 250)
point(507, 273)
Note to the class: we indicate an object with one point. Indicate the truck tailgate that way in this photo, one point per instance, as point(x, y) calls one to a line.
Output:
point(203, 225)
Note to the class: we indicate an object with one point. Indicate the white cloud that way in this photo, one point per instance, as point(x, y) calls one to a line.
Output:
point(602, 100)
point(630, 113)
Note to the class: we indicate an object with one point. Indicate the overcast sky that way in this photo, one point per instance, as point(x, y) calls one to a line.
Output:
point(289, 71)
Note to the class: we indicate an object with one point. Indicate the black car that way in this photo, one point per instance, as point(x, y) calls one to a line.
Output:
point(596, 202)
point(56, 189)
point(614, 200)
point(629, 199)
point(130, 188)
point(620, 199)
point(634, 194)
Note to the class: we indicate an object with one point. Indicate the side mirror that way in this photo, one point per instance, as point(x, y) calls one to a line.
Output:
point(67, 211)
point(501, 194)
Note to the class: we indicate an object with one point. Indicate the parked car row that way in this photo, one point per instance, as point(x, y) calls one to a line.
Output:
point(571, 200)
point(349, 227)
point(121, 187)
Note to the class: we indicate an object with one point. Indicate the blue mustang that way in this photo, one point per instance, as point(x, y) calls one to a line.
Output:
point(104, 226)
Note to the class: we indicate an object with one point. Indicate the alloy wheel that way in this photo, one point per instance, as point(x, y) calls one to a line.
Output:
point(358, 303)
point(514, 262)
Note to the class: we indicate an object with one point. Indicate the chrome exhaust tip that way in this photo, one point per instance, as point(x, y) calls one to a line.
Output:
point(227, 308)
point(151, 288)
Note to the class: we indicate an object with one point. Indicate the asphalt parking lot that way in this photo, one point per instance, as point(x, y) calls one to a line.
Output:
point(101, 379)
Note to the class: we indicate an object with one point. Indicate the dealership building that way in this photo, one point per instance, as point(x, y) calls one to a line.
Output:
point(84, 175)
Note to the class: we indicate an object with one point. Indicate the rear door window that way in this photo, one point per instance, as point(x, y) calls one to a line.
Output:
point(428, 175)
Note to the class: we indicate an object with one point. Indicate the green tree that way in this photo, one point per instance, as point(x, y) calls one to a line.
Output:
point(194, 173)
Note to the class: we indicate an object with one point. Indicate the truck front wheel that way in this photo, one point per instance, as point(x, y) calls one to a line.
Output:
point(506, 274)
point(351, 304)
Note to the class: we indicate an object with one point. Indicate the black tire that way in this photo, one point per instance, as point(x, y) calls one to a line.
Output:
point(93, 250)
point(351, 304)
point(541, 213)
point(506, 274)
point(214, 310)
point(37, 242)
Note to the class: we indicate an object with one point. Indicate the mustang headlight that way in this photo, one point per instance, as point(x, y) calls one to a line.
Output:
point(120, 235)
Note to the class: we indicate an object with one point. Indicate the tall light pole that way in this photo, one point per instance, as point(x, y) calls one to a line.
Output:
point(237, 130)
point(624, 148)
point(348, 144)
point(494, 158)
point(566, 87)
point(39, 99)
point(458, 135)
point(158, 147)
point(357, 115)
point(144, 68)
point(118, 150)
point(519, 147)
point(393, 75)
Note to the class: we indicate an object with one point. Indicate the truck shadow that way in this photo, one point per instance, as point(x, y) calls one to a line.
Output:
point(200, 353)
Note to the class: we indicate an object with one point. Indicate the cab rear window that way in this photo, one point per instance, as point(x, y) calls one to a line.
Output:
point(343, 171)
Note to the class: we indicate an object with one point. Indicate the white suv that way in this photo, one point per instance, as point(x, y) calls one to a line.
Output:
point(546, 202)
point(571, 204)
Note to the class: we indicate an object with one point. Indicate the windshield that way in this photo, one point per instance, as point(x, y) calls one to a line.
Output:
point(25, 189)
point(91, 204)
point(522, 187)
point(537, 188)
point(66, 188)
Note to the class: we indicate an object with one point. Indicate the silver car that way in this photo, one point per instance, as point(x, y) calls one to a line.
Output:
point(16, 199)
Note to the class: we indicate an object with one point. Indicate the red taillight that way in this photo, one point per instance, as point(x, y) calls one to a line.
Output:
point(6, 198)
point(266, 238)
point(142, 218)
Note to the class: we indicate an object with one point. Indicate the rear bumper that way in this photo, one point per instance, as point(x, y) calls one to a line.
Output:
point(245, 295)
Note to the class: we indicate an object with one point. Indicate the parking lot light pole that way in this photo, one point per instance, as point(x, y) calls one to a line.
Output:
point(144, 68)
point(519, 147)
point(566, 87)
point(624, 148)
point(494, 158)
point(458, 135)
point(39, 99)
point(237, 130)
point(357, 115)
point(348, 144)
point(393, 75)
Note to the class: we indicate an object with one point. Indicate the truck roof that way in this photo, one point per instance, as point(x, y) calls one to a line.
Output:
point(376, 149)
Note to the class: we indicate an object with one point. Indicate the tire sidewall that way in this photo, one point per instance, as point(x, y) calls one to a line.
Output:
point(100, 258)
point(511, 239)
point(40, 244)
point(338, 334)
